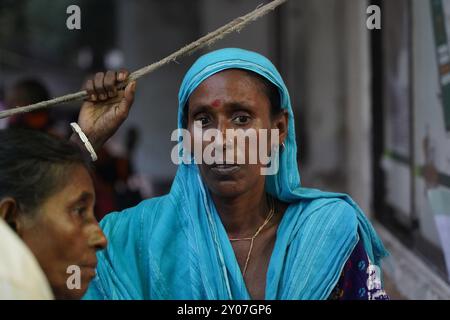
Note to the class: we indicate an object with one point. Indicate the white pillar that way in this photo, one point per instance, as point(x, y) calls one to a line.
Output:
point(357, 102)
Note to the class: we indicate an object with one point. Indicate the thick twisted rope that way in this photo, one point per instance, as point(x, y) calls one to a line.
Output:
point(207, 40)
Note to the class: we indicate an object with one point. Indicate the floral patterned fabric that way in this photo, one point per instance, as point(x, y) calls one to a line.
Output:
point(360, 280)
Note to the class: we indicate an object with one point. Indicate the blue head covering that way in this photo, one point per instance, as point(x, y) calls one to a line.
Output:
point(176, 247)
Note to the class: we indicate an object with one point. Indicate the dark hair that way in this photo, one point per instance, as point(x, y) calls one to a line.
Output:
point(33, 165)
point(268, 87)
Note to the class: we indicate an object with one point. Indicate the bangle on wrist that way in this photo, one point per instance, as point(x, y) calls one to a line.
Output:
point(76, 129)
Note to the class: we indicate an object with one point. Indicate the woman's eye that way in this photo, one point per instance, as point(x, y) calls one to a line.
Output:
point(203, 120)
point(79, 211)
point(241, 119)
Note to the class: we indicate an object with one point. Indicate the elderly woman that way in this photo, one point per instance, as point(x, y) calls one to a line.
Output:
point(225, 231)
point(47, 198)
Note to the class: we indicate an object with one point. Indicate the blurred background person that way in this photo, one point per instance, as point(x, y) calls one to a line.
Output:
point(25, 92)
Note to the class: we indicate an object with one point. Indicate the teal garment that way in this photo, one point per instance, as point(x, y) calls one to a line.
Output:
point(176, 247)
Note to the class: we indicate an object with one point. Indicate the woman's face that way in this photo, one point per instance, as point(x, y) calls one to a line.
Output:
point(63, 232)
point(232, 99)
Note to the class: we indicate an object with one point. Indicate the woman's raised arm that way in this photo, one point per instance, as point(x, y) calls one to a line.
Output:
point(106, 108)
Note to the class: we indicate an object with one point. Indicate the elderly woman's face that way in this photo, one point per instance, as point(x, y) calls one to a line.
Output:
point(63, 232)
point(232, 99)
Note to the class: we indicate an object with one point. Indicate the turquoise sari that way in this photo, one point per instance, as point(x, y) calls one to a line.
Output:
point(176, 247)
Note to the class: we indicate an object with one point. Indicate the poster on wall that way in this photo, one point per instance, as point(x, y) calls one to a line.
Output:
point(434, 173)
point(441, 24)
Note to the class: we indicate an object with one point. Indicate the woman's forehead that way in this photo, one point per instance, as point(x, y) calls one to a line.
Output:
point(228, 82)
point(231, 74)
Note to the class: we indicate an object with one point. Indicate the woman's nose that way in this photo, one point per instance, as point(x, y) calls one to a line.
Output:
point(97, 238)
point(222, 127)
point(224, 124)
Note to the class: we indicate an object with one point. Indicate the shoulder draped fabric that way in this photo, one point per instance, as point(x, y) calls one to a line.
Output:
point(176, 247)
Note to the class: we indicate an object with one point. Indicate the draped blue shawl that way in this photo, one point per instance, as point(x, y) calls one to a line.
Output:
point(176, 247)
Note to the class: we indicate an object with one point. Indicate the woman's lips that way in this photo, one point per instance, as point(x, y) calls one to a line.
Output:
point(225, 169)
point(89, 271)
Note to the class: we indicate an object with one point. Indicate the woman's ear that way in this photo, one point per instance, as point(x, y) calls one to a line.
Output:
point(281, 123)
point(9, 211)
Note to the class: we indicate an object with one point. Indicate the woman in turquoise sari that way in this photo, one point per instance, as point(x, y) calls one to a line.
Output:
point(226, 231)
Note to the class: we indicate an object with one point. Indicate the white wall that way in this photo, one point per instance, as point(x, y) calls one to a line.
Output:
point(321, 70)
point(357, 103)
point(255, 37)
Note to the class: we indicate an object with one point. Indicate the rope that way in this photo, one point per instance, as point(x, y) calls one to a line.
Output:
point(234, 26)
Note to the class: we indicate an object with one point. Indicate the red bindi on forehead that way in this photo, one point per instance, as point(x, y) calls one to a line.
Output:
point(216, 103)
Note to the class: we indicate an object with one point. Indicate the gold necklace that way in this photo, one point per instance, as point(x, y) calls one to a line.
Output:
point(252, 239)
